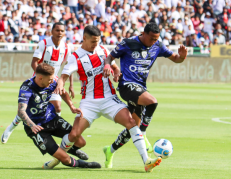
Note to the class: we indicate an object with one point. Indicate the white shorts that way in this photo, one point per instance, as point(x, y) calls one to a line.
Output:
point(94, 108)
point(55, 97)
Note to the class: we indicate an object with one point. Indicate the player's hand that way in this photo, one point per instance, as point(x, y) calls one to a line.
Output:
point(107, 70)
point(116, 75)
point(36, 128)
point(59, 88)
point(71, 92)
point(76, 110)
point(183, 51)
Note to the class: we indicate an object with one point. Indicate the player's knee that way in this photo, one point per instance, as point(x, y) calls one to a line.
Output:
point(74, 136)
point(131, 123)
point(58, 109)
point(151, 100)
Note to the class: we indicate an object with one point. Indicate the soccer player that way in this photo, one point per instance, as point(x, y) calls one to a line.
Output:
point(98, 94)
point(137, 55)
point(41, 121)
point(52, 51)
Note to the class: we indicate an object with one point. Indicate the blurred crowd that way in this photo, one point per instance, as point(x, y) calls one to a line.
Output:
point(194, 23)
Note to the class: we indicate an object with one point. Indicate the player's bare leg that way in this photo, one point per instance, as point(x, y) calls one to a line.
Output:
point(57, 105)
point(124, 118)
point(61, 155)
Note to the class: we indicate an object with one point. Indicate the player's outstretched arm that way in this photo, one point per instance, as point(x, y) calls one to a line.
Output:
point(107, 66)
point(71, 89)
point(181, 56)
point(34, 63)
point(25, 118)
point(60, 84)
point(67, 100)
point(116, 72)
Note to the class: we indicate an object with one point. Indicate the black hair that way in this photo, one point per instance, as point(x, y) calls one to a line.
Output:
point(92, 30)
point(151, 27)
point(57, 23)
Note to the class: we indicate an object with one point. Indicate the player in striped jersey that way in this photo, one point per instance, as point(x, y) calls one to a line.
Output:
point(98, 94)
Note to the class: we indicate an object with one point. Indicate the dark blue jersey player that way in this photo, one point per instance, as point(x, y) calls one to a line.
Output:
point(137, 55)
point(41, 121)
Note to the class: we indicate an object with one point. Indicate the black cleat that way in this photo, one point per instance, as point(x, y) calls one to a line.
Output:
point(83, 164)
point(78, 153)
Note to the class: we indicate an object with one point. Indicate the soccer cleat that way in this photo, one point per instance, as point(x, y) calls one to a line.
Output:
point(5, 136)
point(83, 164)
point(151, 163)
point(51, 164)
point(109, 156)
point(78, 153)
point(148, 145)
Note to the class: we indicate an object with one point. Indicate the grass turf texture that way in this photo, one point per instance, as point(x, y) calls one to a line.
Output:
point(201, 146)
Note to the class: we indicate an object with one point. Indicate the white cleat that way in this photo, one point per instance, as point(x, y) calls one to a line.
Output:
point(51, 164)
point(5, 136)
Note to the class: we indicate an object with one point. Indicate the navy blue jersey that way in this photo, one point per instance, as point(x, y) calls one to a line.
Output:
point(137, 59)
point(39, 109)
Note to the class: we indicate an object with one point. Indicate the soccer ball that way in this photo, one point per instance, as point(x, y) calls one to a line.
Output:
point(163, 148)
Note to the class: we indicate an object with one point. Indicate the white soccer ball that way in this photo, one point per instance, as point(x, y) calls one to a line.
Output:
point(163, 148)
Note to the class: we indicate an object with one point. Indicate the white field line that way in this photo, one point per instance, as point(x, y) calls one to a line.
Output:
point(219, 120)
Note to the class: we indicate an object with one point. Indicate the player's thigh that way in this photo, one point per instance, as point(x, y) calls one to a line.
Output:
point(124, 118)
point(60, 127)
point(43, 141)
point(91, 110)
point(131, 93)
point(111, 106)
point(146, 99)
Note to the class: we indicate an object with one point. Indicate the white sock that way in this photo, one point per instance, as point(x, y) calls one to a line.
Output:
point(138, 141)
point(14, 123)
point(66, 144)
point(112, 149)
point(143, 132)
point(59, 113)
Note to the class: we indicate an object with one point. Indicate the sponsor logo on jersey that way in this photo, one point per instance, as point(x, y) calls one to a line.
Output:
point(146, 62)
point(95, 71)
point(23, 94)
point(135, 54)
point(144, 53)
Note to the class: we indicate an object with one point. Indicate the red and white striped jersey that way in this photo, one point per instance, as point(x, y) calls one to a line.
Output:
point(90, 70)
point(48, 53)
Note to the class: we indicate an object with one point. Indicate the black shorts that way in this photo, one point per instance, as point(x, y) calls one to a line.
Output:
point(130, 93)
point(43, 140)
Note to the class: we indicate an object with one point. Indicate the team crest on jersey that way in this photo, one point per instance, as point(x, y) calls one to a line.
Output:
point(135, 54)
point(62, 54)
point(37, 47)
point(37, 99)
point(144, 54)
point(44, 97)
point(117, 47)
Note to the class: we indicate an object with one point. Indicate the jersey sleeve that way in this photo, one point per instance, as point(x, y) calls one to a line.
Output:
point(164, 51)
point(119, 50)
point(39, 50)
point(24, 95)
point(70, 66)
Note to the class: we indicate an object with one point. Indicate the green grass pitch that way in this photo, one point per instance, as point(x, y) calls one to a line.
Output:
point(202, 147)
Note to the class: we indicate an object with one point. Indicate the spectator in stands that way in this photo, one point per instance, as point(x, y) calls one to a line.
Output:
point(218, 6)
point(100, 9)
point(195, 40)
point(208, 6)
point(220, 37)
point(73, 5)
point(208, 24)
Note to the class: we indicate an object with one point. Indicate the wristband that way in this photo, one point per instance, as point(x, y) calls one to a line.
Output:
point(107, 66)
